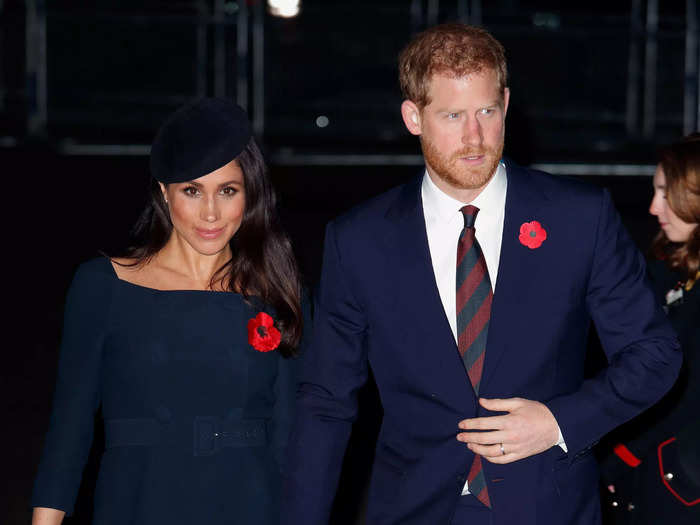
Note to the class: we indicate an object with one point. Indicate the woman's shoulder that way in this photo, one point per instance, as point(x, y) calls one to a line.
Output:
point(657, 267)
point(662, 277)
point(147, 274)
point(126, 269)
point(97, 269)
point(92, 285)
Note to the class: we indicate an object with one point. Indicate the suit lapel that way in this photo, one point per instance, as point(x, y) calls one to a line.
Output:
point(408, 242)
point(523, 201)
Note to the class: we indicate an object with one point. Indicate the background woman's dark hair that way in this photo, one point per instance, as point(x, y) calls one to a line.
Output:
point(262, 264)
point(681, 165)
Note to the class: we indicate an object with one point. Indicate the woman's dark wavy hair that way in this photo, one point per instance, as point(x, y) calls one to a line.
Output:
point(262, 264)
point(681, 164)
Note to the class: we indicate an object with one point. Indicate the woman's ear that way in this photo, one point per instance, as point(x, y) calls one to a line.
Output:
point(162, 189)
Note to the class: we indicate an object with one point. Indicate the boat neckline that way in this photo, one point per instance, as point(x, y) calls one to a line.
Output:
point(159, 290)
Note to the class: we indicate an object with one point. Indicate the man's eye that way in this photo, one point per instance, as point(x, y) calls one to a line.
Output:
point(486, 111)
point(453, 116)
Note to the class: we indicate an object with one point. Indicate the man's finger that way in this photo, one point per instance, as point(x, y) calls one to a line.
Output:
point(482, 438)
point(483, 423)
point(487, 451)
point(502, 460)
point(500, 405)
point(494, 454)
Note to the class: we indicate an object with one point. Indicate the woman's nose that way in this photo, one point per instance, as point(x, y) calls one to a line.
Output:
point(654, 206)
point(210, 211)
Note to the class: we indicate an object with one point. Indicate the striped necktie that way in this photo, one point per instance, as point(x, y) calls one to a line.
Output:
point(474, 297)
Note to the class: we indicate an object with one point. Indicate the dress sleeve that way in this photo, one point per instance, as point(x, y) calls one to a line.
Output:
point(285, 390)
point(77, 392)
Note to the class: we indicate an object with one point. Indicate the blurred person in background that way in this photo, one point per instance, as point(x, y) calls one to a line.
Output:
point(187, 344)
point(653, 473)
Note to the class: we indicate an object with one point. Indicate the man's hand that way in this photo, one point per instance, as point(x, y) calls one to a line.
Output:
point(527, 429)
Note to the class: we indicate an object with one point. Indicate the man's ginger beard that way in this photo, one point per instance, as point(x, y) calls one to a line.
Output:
point(460, 176)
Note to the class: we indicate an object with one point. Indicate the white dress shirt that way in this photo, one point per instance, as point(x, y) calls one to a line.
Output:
point(444, 222)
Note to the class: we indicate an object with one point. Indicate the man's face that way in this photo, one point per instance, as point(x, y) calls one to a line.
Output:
point(462, 129)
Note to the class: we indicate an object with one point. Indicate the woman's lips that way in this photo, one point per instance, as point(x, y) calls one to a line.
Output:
point(209, 234)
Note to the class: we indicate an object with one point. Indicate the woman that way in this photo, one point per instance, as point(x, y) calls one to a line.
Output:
point(186, 344)
point(654, 474)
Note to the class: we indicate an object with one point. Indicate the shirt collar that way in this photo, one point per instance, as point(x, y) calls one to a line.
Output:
point(439, 206)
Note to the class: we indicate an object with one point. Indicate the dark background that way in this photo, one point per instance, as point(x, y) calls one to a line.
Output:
point(596, 86)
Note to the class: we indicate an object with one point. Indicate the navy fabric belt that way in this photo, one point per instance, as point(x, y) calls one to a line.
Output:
point(207, 434)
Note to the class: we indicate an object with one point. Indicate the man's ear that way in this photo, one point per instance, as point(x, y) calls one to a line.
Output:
point(411, 117)
point(506, 99)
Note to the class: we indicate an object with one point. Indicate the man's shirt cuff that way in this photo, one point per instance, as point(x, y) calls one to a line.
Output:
point(560, 441)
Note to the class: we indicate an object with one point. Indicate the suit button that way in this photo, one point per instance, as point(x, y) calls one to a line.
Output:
point(668, 476)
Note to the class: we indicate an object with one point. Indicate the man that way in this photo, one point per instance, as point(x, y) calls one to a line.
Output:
point(469, 291)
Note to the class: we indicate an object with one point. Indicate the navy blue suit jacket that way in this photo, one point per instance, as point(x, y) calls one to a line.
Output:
point(379, 306)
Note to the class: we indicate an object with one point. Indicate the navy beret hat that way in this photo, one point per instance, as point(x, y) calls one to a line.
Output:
point(199, 138)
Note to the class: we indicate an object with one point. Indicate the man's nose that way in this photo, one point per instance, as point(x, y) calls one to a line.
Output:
point(472, 134)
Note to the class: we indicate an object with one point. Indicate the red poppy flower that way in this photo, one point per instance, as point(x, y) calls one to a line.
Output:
point(262, 334)
point(532, 234)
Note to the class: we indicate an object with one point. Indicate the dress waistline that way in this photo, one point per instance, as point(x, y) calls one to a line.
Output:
point(208, 434)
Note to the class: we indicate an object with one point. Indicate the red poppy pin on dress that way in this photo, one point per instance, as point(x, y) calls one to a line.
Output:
point(532, 234)
point(262, 334)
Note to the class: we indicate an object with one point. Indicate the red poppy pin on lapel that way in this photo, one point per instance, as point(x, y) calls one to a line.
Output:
point(532, 234)
point(262, 334)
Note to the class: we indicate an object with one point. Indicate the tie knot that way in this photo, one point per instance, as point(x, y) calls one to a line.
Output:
point(469, 213)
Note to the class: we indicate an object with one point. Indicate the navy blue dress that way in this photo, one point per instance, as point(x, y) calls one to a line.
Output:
point(196, 420)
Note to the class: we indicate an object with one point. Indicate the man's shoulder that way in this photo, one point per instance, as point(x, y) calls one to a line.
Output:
point(373, 212)
point(553, 183)
point(561, 189)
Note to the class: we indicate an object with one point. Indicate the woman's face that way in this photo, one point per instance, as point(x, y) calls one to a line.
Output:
point(207, 211)
point(676, 229)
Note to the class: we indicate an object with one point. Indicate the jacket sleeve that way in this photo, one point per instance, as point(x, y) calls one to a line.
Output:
point(642, 350)
point(77, 392)
point(333, 371)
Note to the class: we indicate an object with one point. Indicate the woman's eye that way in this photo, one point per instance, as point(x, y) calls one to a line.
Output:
point(190, 191)
point(229, 191)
